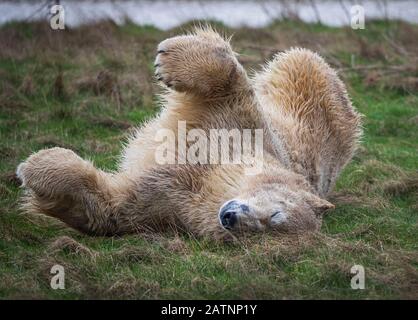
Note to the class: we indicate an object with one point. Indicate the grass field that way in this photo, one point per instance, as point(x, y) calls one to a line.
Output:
point(86, 88)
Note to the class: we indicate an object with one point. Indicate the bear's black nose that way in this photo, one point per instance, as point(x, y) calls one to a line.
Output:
point(228, 214)
point(228, 219)
point(231, 212)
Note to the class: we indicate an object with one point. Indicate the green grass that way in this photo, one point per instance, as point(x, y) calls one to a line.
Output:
point(374, 224)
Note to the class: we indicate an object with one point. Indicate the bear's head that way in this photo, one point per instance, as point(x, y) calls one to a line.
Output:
point(273, 206)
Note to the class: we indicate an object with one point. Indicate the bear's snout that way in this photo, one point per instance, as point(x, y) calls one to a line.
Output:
point(229, 213)
point(228, 219)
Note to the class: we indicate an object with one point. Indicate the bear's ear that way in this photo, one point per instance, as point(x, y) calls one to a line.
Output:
point(319, 206)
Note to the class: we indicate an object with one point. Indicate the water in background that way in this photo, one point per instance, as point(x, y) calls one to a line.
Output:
point(168, 14)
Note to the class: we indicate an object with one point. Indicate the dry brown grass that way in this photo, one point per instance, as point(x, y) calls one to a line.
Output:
point(71, 246)
point(403, 185)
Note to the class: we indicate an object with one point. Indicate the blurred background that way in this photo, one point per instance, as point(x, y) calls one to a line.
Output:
point(171, 13)
point(87, 86)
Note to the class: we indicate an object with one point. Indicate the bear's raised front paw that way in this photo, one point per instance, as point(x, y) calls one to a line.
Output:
point(202, 64)
point(169, 61)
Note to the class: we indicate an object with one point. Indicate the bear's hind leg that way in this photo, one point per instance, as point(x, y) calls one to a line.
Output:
point(307, 103)
point(62, 185)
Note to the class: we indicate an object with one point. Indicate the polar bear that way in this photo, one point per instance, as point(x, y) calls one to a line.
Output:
point(310, 131)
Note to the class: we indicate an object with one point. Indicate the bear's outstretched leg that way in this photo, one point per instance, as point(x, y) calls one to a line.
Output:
point(202, 63)
point(62, 185)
